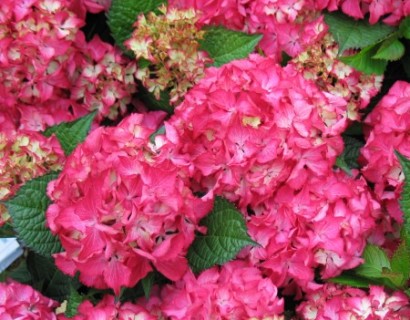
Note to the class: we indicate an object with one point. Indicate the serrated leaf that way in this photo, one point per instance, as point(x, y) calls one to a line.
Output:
point(355, 34)
point(147, 284)
point(405, 196)
point(375, 262)
point(364, 62)
point(73, 301)
point(390, 50)
point(70, 134)
point(226, 236)
point(27, 209)
point(224, 45)
point(342, 164)
point(351, 280)
point(400, 262)
point(404, 28)
point(123, 14)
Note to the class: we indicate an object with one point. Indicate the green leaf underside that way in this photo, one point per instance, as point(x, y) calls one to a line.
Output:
point(351, 280)
point(27, 209)
point(70, 134)
point(226, 236)
point(390, 50)
point(73, 301)
point(225, 45)
point(375, 263)
point(405, 27)
point(355, 34)
point(123, 14)
point(363, 61)
point(405, 197)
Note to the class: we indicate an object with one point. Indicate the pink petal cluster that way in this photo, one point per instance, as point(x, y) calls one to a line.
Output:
point(45, 58)
point(386, 131)
point(121, 208)
point(321, 225)
point(108, 308)
point(18, 301)
point(237, 290)
point(24, 156)
point(390, 11)
point(336, 302)
point(286, 25)
point(252, 125)
point(81, 7)
point(319, 63)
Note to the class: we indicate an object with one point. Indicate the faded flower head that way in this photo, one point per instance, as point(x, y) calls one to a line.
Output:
point(170, 43)
point(19, 301)
point(319, 63)
point(24, 156)
point(121, 208)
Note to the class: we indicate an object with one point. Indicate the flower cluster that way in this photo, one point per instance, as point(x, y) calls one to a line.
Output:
point(45, 58)
point(336, 302)
point(170, 43)
point(24, 156)
point(120, 208)
point(324, 225)
point(251, 125)
point(390, 11)
point(107, 308)
point(81, 7)
point(286, 25)
point(236, 290)
point(18, 301)
point(386, 131)
point(319, 63)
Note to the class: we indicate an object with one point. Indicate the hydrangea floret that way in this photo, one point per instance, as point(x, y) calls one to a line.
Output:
point(337, 302)
point(120, 209)
point(24, 156)
point(170, 42)
point(19, 301)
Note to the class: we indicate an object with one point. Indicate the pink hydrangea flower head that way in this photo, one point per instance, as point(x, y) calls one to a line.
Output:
point(386, 131)
point(81, 7)
point(170, 43)
point(337, 302)
point(322, 225)
point(251, 125)
point(108, 308)
point(24, 156)
point(18, 301)
point(121, 207)
point(390, 11)
point(237, 290)
point(319, 63)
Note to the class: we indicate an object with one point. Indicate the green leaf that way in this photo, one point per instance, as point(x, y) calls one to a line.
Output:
point(363, 61)
point(348, 159)
point(123, 14)
point(225, 237)
point(225, 45)
point(400, 262)
point(7, 231)
point(404, 28)
point(70, 134)
point(351, 280)
point(21, 273)
point(161, 130)
point(391, 50)
point(73, 301)
point(405, 197)
point(27, 209)
point(152, 103)
point(375, 263)
point(355, 34)
point(147, 284)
